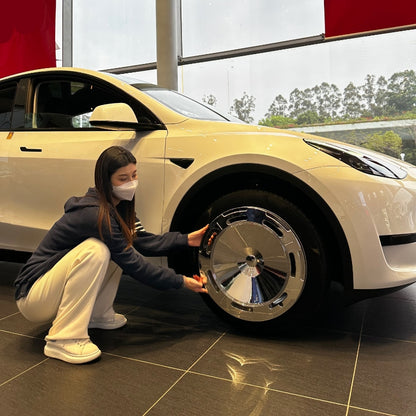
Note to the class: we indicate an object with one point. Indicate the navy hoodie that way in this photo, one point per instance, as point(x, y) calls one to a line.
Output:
point(78, 223)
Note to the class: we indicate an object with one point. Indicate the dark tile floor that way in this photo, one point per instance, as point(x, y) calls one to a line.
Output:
point(175, 357)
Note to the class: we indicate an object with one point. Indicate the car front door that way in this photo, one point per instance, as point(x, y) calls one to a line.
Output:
point(53, 156)
point(8, 92)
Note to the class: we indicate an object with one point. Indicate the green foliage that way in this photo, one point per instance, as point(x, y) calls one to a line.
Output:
point(209, 99)
point(278, 107)
point(353, 138)
point(324, 103)
point(308, 117)
point(327, 100)
point(244, 107)
point(352, 102)
point(401, 92)
point(281, 122)
point(388, 143)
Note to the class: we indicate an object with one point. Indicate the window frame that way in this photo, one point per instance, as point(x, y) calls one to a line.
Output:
point(139, 109)
point(13, 84)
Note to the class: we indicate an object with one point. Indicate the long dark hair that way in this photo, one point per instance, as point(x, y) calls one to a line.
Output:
point(110, 160)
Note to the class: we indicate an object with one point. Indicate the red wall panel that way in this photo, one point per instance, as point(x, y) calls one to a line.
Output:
point(27, 35)
point(344, 17)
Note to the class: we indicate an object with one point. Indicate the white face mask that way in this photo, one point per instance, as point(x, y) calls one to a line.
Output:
point(126, 191)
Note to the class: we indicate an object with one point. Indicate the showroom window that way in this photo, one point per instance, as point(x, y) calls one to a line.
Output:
point(218, 25)
point(245, 60)
point(108, 34)
point(269, 75)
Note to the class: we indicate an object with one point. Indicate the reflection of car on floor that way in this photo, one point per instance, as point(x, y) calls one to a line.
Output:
point(289, 212)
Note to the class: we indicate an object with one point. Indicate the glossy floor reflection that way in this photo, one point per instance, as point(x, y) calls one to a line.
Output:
point(176, 358)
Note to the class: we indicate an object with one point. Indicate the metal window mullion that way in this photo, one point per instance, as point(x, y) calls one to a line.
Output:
point(232, 53)
point(67, 33)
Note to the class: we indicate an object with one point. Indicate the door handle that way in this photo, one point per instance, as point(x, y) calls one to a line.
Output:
point(27, 149)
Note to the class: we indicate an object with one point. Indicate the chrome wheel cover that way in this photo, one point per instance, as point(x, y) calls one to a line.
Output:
point(254, 262)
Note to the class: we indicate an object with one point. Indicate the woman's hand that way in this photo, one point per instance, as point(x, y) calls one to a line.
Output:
point(195, 238)
point(195, 285)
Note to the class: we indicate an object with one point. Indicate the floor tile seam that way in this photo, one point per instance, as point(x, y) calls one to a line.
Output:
point(19, 334)
point(164, 394)
point(379, 412)
point(23, 372)
point(408, 341)
point(184, 374)
point(355, 363)
point(206, 351)
point(288, 393)
point(364, 333)
point(214, 377)
point(183, 370)
point(9, 316)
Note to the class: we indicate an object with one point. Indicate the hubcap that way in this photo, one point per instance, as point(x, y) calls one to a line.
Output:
point(254, 263)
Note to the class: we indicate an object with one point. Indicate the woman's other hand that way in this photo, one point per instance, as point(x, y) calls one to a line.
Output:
point(196, 284)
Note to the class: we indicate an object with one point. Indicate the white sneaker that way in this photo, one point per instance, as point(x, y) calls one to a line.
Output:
point(116, 321)
point(74, 351)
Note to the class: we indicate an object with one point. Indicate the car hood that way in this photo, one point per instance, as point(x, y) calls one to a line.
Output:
point(241, 143)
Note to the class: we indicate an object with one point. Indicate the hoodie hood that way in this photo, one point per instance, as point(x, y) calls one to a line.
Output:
point(90, 199)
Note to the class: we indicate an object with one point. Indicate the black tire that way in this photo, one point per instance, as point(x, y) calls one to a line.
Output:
point(263, 257)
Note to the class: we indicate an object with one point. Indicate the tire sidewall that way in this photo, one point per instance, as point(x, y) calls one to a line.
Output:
point(306, 232)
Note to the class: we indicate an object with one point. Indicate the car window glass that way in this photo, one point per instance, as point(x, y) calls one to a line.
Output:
point(19, 118)
point(7, 95)
point(182, 104)
point(68, 104)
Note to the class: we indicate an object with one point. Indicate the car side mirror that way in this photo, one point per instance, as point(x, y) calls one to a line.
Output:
point(115, 115)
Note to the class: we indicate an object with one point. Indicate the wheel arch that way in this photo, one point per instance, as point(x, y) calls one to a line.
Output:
point(266, 178)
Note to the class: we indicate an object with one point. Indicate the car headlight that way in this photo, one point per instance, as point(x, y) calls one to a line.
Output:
point(364, 160)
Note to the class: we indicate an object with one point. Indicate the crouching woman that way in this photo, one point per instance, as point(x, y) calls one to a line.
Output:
point(73, 276)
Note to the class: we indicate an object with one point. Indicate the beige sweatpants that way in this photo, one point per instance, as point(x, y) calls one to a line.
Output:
point(81, 286)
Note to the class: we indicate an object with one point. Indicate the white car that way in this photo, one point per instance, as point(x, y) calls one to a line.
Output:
point(289, 212)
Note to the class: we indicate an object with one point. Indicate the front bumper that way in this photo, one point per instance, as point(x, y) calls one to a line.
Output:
point(368, 207)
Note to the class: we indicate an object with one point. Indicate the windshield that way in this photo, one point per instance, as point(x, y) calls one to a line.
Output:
point(182, 104)
point(178, 102)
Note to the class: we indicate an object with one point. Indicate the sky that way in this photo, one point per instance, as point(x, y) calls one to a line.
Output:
point(106, 36)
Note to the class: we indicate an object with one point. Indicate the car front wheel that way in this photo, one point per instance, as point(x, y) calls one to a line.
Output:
point(263, 258)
